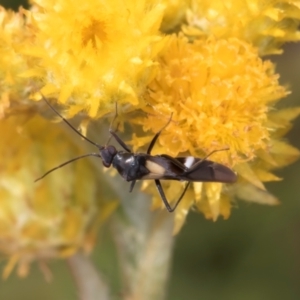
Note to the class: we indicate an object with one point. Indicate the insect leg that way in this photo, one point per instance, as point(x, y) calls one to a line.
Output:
point(163, 196)
point(110, 133)
point(157, 135)
point(120, 142)
point(111, 124)
point(115, 116)
point(114, 133)
point(132, 185)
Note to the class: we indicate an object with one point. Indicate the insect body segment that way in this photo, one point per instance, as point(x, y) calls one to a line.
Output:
point(144, 166)
point(130, 166)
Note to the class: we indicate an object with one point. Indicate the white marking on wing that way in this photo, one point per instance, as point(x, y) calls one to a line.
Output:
point(189, 161)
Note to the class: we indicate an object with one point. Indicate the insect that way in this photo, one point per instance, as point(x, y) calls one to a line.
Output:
point(144, 166)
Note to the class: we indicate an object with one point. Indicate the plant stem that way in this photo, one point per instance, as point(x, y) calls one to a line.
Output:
point(144, 243)
point(89, 283)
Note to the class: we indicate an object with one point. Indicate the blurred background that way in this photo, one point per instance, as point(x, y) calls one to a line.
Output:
point(253, 255)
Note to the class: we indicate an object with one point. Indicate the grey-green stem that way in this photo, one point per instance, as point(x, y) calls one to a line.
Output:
point(144, 244)
point(89, 282)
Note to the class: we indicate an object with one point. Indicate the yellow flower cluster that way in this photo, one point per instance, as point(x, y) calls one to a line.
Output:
point(219, 92)
point(12, 39)
point(51, 218)
point(265, 24)
point(198, 60)
point(95, 53)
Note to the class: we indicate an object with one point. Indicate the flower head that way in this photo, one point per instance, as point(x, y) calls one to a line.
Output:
point(221, 95)
point(95, 53)
point(209, 76)
point(52, 218)
point(13, 37)
point(265, 24)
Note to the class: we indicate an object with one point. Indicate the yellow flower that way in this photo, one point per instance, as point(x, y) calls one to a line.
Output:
point(13, 37)
point(219, 92)
point(221, 95)
point(95, 53)
point(56, 216)
point(92, 55)
point(265, 24)
point(175, 14)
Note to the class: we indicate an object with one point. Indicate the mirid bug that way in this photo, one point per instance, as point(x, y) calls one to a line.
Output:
point(144, 166)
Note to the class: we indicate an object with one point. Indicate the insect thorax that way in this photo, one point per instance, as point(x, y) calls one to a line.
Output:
point(130, 166)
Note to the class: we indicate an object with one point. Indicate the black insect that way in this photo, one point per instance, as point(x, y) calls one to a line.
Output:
point(144, 166)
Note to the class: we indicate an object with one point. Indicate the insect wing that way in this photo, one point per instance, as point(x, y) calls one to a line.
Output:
point(207, 171)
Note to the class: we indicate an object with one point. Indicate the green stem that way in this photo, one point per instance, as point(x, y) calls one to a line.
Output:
point(89, 283)
point(144, 242)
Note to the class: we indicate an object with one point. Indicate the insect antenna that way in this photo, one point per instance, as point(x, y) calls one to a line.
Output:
point(69, 124)
point(65, 163)
point(78, 132)
point(214, 151)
